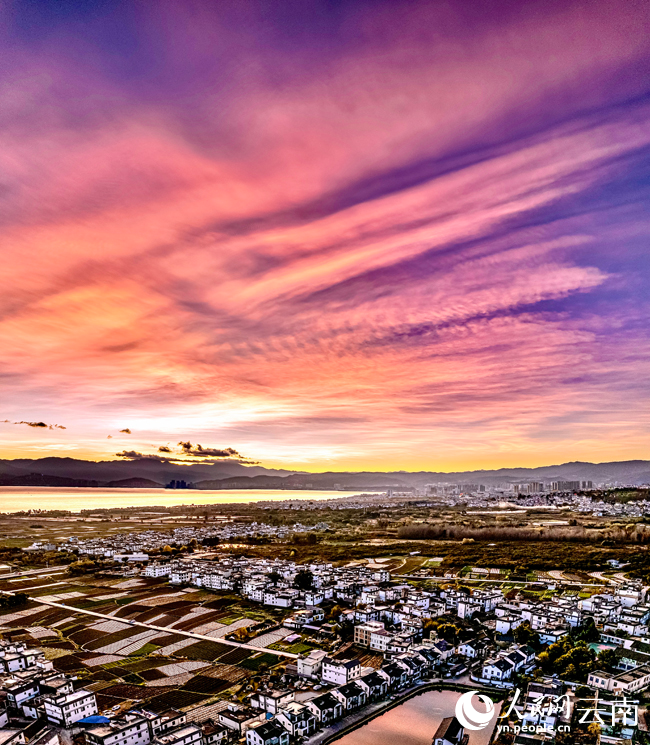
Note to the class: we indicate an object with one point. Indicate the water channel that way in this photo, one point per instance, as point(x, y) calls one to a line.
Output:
point(414, 722)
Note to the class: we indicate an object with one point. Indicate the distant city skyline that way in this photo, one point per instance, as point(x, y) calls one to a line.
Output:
point(326, 236)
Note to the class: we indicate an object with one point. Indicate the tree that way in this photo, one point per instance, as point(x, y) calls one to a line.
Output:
point(334, 613)
point(568, 659)
point(16, 600)
point(586, 632)
point(85, 566)
point(594, 730)
point(608, 658)
point(274, 577)
point(524, 634)
point(448, 632)
point(304, 580)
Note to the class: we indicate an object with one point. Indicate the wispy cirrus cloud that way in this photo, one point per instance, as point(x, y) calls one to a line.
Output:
point(412, 231)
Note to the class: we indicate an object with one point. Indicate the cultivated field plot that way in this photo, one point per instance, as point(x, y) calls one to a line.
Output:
point(126, 664)
point(272, 637)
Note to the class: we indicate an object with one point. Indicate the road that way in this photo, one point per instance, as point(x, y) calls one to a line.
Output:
point(189, 634)
point(32, 572)
point(609, 580)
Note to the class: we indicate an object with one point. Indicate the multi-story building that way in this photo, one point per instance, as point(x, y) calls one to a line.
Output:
point(70, 707)
point(129, 729)
point(16, 657)
point(187, 734)
point(372, 635)
point(297, 719)
point(311, 665)
point(157, 570)
point(272, 701)
point(267, 733)
point(340, 672)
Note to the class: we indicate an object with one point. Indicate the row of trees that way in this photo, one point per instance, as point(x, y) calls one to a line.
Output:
point(630, 533)
point(17, 600)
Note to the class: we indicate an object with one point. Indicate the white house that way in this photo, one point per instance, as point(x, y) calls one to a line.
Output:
point(157, 570)
point(297, 719)
point(340, 672)
point(70, 708)
point(272, 701)
point(311, 665)
point(186, 734)
point(497, 669)
point(267, 733)
point(130, 729)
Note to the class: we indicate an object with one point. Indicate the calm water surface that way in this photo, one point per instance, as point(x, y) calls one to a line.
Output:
point(415, 722)
point(14, 499)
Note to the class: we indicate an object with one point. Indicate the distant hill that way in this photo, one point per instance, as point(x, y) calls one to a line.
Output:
point(104, 472)
point(134, 483)
point(149, 473)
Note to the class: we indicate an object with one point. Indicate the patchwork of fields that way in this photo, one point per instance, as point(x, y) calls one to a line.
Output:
point(125, 664)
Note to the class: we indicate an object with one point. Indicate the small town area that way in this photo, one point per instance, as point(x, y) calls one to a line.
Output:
point(135, 643)
point(324, 372)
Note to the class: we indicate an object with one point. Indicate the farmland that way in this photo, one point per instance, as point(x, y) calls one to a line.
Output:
point(125, 664)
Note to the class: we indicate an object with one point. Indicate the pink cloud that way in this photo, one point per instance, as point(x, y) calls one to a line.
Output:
point(345, 239)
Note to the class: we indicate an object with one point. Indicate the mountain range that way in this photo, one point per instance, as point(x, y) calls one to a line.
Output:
point(145, 472)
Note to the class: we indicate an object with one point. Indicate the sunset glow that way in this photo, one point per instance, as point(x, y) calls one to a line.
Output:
point(330, 236)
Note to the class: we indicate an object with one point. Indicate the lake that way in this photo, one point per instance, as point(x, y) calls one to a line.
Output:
point(16, 498)
point(414, 722)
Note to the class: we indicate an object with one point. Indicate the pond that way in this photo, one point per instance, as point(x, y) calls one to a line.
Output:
point(415, 721)
point(599, 647)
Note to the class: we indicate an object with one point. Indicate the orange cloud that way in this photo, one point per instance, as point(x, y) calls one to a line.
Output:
point(399, 252)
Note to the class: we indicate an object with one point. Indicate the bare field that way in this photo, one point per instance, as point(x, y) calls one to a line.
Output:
point(127, 663)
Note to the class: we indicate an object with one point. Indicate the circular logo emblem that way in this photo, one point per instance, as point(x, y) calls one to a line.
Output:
point(469, 716)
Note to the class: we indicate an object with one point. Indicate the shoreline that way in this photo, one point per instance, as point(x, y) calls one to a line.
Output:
point(17, 499)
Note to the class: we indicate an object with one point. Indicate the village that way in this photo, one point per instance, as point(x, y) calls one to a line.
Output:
point(153, 651)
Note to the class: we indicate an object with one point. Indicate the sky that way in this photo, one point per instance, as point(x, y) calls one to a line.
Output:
point(325, 234)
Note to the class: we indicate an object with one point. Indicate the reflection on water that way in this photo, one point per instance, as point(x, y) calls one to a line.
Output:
point(17, 498)
point(415, 722)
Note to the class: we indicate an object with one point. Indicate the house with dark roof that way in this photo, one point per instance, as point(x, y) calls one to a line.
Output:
point(267, 733)
point(397, 674)
point(340, 672)
point(325, 708)
point(443, 648)
point(497, 669)
point(297, 719)
point(450, 732)
point(375, 684)
point(416, 664)
point(474, 648)
point(352, 696)
point(428, 654)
